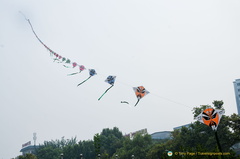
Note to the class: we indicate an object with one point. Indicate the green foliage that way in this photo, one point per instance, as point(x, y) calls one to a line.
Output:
point(198, 110)
point(110, 142)
point(97, 144)
point(27, 156)
point(234, 125)
point(70, 148)
point(201, 138)
point(138, 146)
point(48, 151)
point(156, 151)
point(87, 149)
point(218, 104)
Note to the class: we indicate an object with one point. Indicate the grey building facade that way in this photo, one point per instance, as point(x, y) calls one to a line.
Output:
point(236, 84)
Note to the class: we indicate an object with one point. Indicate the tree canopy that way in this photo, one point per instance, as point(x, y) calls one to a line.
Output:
point(110, 143)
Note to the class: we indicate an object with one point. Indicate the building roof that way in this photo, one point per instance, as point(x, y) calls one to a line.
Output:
point(161, 135)
point(179, 127)
point(161, 132)
point(30, 147)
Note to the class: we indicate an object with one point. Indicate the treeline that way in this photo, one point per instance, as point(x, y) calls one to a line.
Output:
point(188, 142)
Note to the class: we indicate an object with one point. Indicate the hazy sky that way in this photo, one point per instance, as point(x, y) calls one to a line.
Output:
point(185, 53)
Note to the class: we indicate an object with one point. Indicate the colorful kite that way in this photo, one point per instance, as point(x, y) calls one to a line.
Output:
point(140, 92)
point(81, 68)
point(67, 63)
point(211, 117)
point(92, 72)
point(110, 80)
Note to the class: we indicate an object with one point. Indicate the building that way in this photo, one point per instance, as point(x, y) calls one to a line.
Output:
point(29, 149)
point(132, 134)
point(236, 84)
point(180, 127)
point(161, 135)
point(236, 148)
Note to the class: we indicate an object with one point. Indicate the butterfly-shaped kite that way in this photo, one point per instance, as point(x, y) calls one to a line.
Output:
point(110, 80)
point(211, 117)
point(140, 92)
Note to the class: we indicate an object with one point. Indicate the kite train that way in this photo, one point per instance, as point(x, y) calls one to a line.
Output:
point(57, 57)
point(139, 91)
point(81, 68)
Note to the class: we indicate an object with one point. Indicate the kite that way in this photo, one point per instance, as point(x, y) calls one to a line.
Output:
point(68, 62)
point(110, 80)
point(140, 92)
point(92, 72)
point(124, 102)
point(211, 117)
point(81, 68)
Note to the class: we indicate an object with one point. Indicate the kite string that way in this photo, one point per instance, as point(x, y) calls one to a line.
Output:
point(170, 100)
point(156, 95)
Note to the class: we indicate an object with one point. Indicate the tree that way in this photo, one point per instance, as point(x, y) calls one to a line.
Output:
point(218, 104)
point(87, 149)
point(28, 156)
point(234, 125)
point(156, 151)
point(138, 146)
point(70, 148)
point(111, 140)
point(199, 137)
point(97, 144)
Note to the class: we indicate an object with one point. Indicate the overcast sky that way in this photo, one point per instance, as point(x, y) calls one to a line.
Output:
point(185, 53)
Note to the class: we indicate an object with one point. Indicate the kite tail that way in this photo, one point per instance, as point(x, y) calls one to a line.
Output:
point(74, 73)
point(66, 66)
point(56, 59)
point(31, 27)
point(137, 102)
point(105, 92)
point(124, 102)
point(84, 81)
